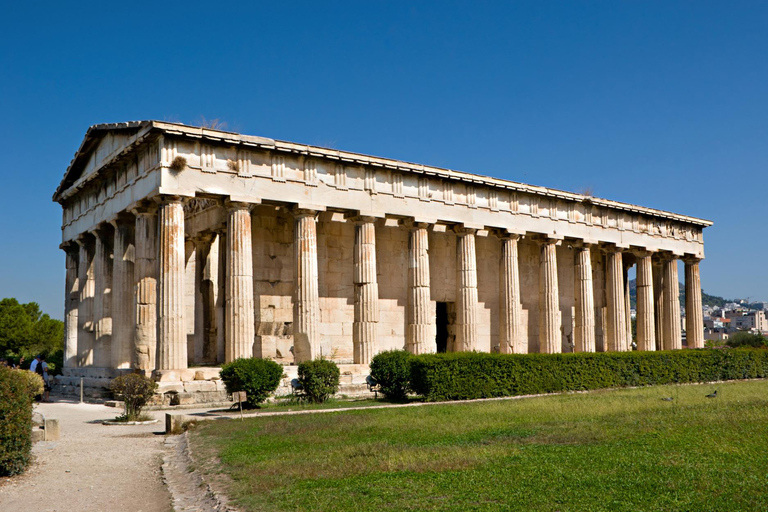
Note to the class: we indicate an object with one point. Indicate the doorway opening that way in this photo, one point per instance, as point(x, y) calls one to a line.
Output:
point(445, 333)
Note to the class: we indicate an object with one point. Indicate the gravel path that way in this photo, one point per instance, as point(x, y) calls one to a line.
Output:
point(92, 467)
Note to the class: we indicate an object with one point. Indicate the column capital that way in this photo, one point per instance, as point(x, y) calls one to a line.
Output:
point(85, 239)
point(583, 244)
point(542, 240)
point(231, 204)
point(356, 218)
point(70, 246)
point(300, 213)
point(122, 219)
point(642, 252)
point(463, 230)
point(691, 259)
point(144, 208)
point(664, 256)
point(412, 224)
point(503, 234)
point(164, 199)
point(102, 230)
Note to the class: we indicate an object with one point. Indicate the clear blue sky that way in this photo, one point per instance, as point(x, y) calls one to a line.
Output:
point(663, 104)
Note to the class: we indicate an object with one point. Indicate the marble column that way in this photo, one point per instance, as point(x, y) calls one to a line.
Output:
point(550, 337)
point(123, 291)
point(366, 323)
point(240, 330)
point(85, 305)
point(658, 300)
point(627, 304)
point(420, 337)
point(598, 282)
point(71, 301)
point(671, 302)
point(171, 334)
point(220, 245)
point(466, 292)
point(306, 306)
point(615, 308)
point(102, 302)
point(511, 339)
point(145, 289)
point(584, 328)
point(646, 329)
point(694, 316)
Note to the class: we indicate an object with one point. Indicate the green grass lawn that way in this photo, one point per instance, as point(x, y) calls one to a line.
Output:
point(606, 450)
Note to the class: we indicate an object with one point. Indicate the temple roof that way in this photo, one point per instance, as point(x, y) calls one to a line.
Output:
point(128, 135)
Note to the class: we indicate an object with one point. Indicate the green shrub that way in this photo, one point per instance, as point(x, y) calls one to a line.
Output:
point(136, 390)
point(319, 379)
point(468, 375)
point(392, 370)
point(746, 339)
point(16, 396)
point(34, 382)
point(259, 378)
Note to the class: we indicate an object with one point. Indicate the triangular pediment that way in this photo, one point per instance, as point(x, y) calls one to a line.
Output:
point(101, 143)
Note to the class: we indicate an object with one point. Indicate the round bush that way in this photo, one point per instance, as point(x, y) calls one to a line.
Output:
point(16, 397)
point(136, 390)
point(259, 378)
point(392, 370)
point(34, 382)
point(319, 379)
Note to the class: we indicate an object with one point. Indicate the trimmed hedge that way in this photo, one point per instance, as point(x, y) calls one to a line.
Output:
point(392, 370)
point(319, 379)
point(17, 392)
point(468, 375)
point(258, 377)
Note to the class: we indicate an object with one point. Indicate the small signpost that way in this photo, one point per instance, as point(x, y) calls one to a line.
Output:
point(239, 397)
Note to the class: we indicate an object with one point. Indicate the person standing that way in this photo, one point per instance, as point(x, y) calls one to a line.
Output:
point(40, 367)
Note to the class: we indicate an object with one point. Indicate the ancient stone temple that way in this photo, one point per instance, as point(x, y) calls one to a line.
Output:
point(188, 247)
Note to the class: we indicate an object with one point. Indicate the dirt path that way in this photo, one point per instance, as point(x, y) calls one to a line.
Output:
point(92, 467)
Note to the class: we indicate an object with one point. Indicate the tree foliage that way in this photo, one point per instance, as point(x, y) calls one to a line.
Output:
point(27, 331)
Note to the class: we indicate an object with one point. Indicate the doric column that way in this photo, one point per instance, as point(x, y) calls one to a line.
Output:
point(145, 275)
point(511, 322)
point(365, 328)
point(646, 329)
point(671, 301)
point(171, 335)
point(615, 308)
point(102, 302)
point(627, 305)
point(306, 306)
point(466, 292)
point(71, 301)
point(694, 317)
point(598, 282)
point(239, 285)
point(85, 305)
point(123, 291)
point(221, 295)
point(420, 337)
point(658, 300)
point(550, 340)
point(584, 328)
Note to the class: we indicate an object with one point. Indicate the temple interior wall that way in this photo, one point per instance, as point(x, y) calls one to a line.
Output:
point(335, 260)
point(392, 277)
point(273, 275)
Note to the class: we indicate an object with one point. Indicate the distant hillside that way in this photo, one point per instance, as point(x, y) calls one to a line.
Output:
point(706, 299)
